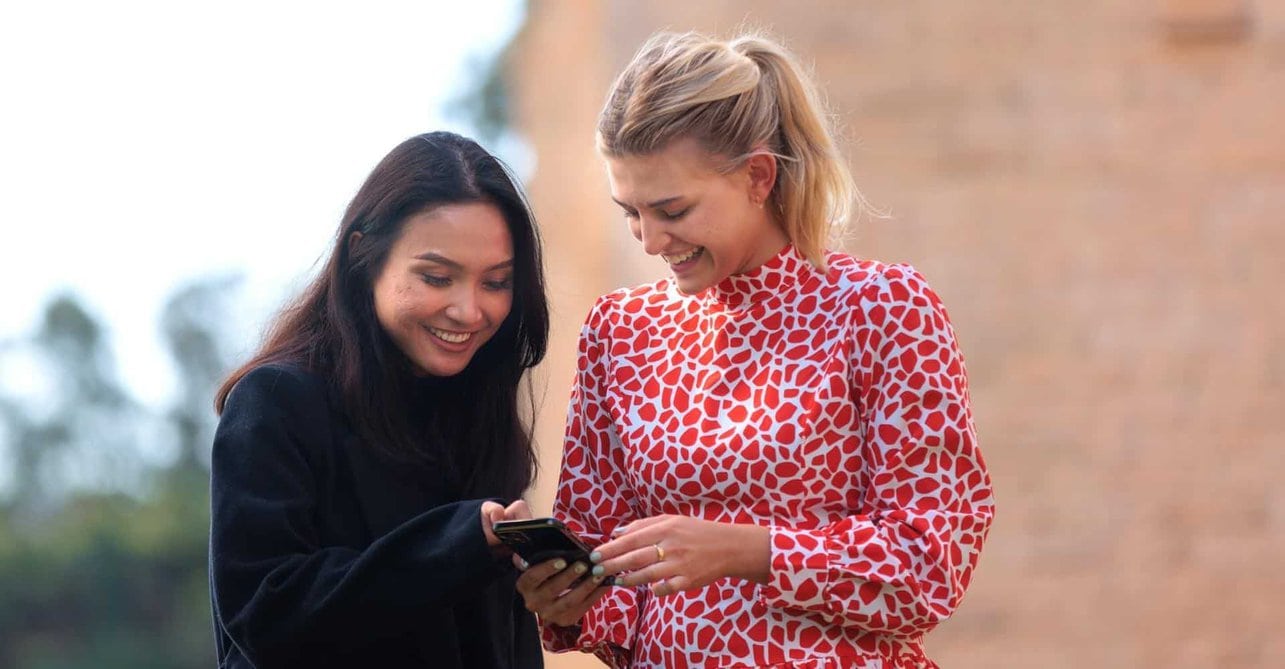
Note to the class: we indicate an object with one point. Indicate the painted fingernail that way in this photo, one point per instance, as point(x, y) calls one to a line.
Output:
point(597, 571)
point(580, 568)
point(595, 557)
point(525, 564)
point(560, 565)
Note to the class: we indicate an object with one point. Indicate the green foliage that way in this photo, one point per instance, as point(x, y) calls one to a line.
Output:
point(110, 570)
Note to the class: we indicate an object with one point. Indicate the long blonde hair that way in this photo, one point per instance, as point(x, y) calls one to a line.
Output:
point(736, 98)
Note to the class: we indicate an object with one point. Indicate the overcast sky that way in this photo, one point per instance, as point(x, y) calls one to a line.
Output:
point(146, 144)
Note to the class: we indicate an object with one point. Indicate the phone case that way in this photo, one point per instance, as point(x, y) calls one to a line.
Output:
point(541, 539)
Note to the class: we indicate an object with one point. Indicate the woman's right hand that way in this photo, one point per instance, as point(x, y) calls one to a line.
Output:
point(493, 513)
point(544, 587)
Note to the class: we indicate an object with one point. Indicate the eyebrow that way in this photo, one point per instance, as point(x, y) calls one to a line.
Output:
point(654, 204)
point(443, 260)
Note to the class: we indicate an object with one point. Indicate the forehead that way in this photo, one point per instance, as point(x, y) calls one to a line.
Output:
point(472, 234)
point(680, 167)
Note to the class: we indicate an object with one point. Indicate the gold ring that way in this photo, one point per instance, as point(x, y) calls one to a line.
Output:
point(660, 553)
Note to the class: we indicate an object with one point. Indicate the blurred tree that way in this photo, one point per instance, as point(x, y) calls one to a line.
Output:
point(82, 432)
point(199, 354)
point(98, 569)
point(483, 101)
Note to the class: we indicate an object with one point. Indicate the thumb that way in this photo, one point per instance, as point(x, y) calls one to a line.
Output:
point(518, 511)
point(491, 512)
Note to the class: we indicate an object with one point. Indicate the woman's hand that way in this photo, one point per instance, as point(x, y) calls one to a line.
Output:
point(493, 512)
point(549, 593)
point(676, 553)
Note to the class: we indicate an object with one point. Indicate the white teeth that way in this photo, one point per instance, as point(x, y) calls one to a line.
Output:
point(452, 337)
point(678, 260)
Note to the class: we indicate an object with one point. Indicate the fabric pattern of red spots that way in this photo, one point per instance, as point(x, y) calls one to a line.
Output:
point(830, 407)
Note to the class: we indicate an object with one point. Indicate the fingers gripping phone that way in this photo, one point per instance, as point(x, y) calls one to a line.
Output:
point(540, 539)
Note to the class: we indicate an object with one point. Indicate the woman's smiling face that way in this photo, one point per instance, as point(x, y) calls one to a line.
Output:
point(446, 286)
point(705, 224)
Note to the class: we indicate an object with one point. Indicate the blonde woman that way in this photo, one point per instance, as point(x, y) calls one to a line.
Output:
point(772, 449)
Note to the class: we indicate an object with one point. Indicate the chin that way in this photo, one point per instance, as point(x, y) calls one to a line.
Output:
point(690, 288)
point(442, 371)
point(694, 285)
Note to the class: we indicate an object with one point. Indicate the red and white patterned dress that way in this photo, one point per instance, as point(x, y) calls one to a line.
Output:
point(831, 407)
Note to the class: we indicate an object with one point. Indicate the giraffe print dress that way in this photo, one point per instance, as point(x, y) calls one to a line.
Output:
point(830, 407)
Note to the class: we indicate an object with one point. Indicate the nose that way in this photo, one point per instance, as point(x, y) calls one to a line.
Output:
point(464, 307)
point(652, 236)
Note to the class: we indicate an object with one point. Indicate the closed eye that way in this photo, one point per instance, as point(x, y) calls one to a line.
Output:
point(676, 215)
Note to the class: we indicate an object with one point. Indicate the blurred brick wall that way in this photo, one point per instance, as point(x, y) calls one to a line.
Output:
point(1097, 190)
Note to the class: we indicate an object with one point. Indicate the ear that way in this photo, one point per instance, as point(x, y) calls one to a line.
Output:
point(760, 167)
point(353, 240)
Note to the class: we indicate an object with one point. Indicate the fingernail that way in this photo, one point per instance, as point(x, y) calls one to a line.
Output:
point(598, 578)
point(580, 568)
point(560, 565)
point(525, 564)
point(597, 571)
point(595, 557)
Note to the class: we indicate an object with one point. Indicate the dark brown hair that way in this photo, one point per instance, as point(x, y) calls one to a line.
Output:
point(471, 421)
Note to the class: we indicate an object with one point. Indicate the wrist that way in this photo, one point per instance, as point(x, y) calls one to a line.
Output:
point(752, 557)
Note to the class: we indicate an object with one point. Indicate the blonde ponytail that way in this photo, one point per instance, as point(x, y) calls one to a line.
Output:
point(736, 98)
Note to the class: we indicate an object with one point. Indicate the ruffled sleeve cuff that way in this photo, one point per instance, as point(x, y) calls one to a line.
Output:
point(800, 570)
point(607, 629)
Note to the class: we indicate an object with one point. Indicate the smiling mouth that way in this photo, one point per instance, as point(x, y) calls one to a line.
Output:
point(686, 257)
point(451, 337)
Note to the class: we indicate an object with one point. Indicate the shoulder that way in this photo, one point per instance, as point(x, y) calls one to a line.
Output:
point(283, 380)
point(277, 391)
point(872, 281)
point(625, 307)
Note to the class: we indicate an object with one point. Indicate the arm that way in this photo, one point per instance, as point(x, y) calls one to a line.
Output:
point(281, 594)
point(902, 564)
point(592, 498)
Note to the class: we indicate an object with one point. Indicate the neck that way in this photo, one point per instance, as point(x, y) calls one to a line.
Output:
point(773, 239)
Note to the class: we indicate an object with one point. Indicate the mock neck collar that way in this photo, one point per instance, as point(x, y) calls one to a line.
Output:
point(783, 270)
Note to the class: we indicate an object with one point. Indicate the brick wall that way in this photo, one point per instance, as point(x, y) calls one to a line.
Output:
point(1097, 191)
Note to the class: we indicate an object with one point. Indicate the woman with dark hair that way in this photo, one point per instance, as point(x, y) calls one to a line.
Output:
point(364, 452)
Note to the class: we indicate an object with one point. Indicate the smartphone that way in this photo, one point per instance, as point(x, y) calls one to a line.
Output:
point(540, 539)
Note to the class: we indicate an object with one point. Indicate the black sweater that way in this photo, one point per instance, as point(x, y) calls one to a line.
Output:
point(325, 554)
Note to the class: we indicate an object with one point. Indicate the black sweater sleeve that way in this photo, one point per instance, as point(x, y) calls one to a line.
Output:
point(278, 591)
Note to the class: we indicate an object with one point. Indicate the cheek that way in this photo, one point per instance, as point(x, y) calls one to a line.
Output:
point(722, 233)
point(384, 295)
point(406, 302)
point(635, 228)
point(499, 307)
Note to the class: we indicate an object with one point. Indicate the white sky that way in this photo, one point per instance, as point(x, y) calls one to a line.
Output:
point(146, 144)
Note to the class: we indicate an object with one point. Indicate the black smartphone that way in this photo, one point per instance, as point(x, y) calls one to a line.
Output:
point(540, 539)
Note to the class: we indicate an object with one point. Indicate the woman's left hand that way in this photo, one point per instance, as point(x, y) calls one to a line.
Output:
point(676, 553)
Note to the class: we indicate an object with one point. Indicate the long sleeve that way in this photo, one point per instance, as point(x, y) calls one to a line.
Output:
point(281, 593)
point(592, 499)
point(902, 563)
